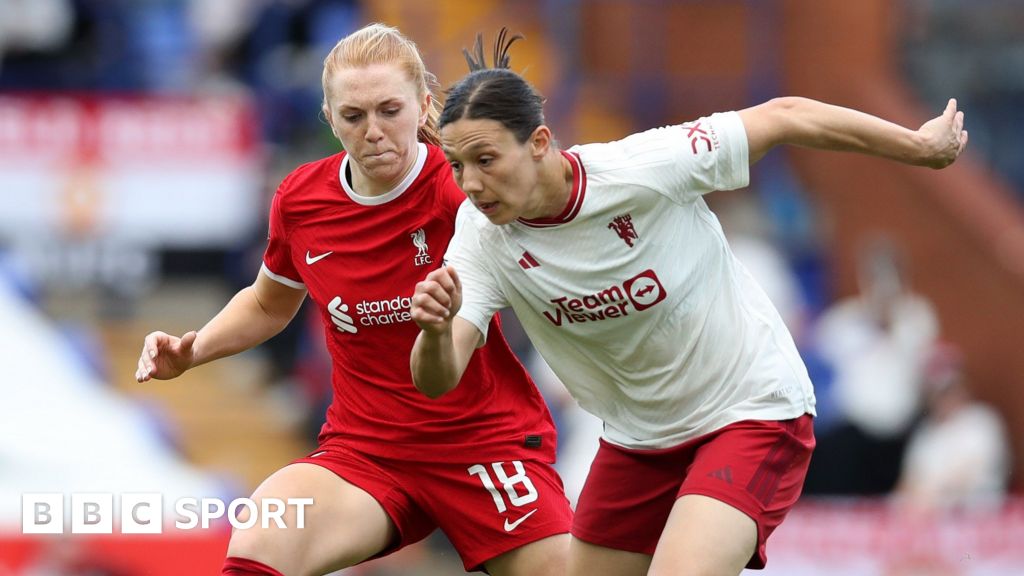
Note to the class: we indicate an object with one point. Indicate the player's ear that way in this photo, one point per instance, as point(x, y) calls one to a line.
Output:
point(329, 118)
point(540, 142)
point(425, 109)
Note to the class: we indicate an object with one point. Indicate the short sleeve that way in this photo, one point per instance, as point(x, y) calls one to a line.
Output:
point(481, 294)
point(277, 259)
point(682, 162)
point(713, 155)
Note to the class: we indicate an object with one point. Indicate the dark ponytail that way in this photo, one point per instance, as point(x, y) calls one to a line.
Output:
point(495, 93)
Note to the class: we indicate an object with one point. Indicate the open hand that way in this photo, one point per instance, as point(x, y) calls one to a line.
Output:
point(164, 356)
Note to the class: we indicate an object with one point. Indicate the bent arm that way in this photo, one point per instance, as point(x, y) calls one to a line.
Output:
point(251, 317)
point(255, 314)
point(439, 359)
point(813, 124)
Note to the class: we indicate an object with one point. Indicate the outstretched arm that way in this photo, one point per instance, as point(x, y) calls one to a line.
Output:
point(806, 122)
point(445, 343)
point(254, 315)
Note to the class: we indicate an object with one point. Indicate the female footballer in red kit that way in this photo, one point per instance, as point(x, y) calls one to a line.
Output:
point(356, 231)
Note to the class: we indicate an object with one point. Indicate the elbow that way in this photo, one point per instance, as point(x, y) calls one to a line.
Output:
point(432, 392)
point(788, 115)
point(795, 120)
point(428, 385)
point(787, 104)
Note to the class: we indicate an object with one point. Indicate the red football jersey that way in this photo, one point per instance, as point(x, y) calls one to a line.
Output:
point(360, 259)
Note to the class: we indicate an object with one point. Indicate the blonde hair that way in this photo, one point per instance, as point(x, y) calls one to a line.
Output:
point(381, 44)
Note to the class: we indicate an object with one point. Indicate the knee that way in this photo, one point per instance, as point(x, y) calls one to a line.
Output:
point(269, 543)
point(546, 557)
point(261, 545)
point(695, 568)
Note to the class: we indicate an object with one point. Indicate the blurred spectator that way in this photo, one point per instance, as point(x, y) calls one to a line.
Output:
point(877, 343)
point(65, 45)
point(959, 456)
point(34, 25)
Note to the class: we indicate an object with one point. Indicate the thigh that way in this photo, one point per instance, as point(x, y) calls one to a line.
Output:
point(628, 497)
point(503, 515)
point(756, 467)
point(586, 559)
point(704, 536)
point(343, 526)
point(545, 557)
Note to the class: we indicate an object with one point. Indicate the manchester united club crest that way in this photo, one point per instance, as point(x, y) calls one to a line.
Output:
point(419, 240)
point(623, 226)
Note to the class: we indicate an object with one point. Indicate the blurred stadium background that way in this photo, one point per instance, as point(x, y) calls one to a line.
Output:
point(140, 141)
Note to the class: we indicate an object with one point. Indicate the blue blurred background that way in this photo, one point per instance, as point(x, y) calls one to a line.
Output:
point(141, 140)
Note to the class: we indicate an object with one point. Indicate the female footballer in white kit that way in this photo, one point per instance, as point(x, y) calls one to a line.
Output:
point(625, 283)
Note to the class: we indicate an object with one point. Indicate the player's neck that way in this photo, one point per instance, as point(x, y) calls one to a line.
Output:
point(555, 183)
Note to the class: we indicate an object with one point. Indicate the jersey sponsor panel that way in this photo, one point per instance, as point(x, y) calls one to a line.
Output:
point(381, 312)
point(635, 294)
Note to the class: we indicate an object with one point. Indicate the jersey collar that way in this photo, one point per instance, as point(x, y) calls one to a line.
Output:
point(572, 208)
point(421, 159)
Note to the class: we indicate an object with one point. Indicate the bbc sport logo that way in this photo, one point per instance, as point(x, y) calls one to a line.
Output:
point(143, 513)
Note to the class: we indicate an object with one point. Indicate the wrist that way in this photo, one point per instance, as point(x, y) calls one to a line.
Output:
point(437, 332)
point(923, 147)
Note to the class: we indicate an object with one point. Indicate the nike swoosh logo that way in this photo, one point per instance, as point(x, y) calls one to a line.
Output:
point(510, 526)
point(314, 259)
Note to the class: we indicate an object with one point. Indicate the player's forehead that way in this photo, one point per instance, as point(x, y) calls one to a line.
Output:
point(370, 86)
point(465, 136)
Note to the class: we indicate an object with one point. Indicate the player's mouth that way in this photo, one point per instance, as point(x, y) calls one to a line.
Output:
point(378, 156)
point(487, 208)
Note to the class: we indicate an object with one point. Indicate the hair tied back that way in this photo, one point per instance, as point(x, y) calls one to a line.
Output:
point(476, 59)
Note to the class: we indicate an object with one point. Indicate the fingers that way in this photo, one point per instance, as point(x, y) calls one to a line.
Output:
point(150, 348)
point(142, 372)
point(151, 345)
point(431, 303)
point(948, 135)
point(433, 298)
point(958, 125)
point(161, 351)
point(447, 278)
point(455, 279)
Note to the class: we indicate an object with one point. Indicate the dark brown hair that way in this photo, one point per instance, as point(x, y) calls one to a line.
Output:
point(495, 93)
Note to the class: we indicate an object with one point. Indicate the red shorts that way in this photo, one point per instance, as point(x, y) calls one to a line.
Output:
point(485, 508)
point(755, 466)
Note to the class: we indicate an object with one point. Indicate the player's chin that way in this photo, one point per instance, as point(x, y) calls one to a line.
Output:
point(382, 169)
point(500, 217)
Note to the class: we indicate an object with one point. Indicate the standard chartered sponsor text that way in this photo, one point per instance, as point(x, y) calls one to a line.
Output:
point(385, 311)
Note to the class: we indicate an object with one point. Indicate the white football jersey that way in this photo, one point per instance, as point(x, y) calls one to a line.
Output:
point(632, 294)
